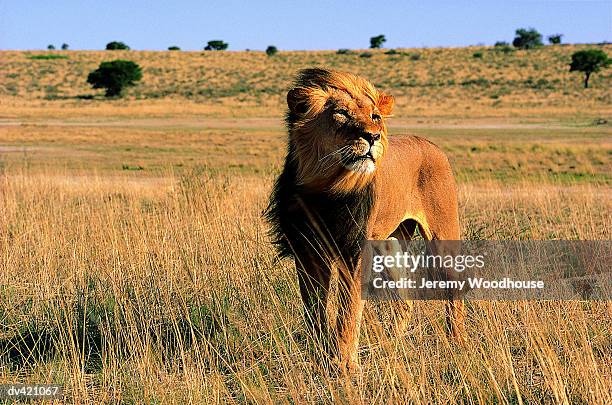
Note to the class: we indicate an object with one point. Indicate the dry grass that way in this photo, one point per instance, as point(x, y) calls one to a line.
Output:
point(135, 266)
point(166, 290)
point(442, 82)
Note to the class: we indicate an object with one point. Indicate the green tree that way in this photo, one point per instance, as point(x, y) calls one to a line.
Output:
point(114, 76)
point(271, 50)
point(174, 48)
point(527, 38)
point(117, 46)
point(64, 47)
point(50, 47)
point(377, 41)
point(554, 39)
point(589, 61)
point(216, 45)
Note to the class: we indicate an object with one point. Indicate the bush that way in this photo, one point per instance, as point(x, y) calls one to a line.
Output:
point(503, 46)
point(271, 50)
point(365, 55)
point(114, 76)
point(216, 45)
point(415, 56)
point(391, 52)
point(51, 47)
point(47, 57)
point(477, 55)
point(377, 41)
point(589, 61)
point(527, 38)
point(174, 48)
point(64, 47)
point(344, 51)
point(117, 46)
point(554, 39)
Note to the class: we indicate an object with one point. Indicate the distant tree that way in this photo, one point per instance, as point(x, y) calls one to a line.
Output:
point(589, 61)
point(117, 46)
point(499, 44)
point(64, 47)
point(377, 41)
point(527, 38)
point(216, 45)
point(114, 76)
point(271, 50)
point(50, 47)
point(174, 48)
point(554, 39)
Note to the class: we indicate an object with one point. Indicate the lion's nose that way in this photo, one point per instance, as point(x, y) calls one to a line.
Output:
point(371, 137)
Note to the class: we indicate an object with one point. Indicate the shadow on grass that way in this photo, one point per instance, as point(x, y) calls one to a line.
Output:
point(96, 330)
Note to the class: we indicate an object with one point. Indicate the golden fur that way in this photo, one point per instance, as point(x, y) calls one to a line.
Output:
point(345, 181)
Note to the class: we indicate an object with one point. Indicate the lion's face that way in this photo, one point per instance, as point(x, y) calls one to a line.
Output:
point(357, 131)
point(338, 133)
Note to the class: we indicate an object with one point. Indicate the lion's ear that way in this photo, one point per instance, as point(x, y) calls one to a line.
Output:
point(297, 100)
point(385, 104)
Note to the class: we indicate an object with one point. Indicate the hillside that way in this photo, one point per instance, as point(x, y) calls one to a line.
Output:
point(435, 82)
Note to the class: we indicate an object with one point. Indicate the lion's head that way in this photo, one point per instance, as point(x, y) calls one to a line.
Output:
point(337, 132)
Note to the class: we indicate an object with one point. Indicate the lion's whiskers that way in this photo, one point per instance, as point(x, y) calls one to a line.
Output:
point(337, 151)
point(329, 164)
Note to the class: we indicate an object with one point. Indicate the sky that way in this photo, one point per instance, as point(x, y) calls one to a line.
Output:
point(294, 25)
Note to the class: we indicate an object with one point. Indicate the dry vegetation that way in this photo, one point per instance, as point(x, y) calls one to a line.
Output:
point(427, 83)
point(135, 267)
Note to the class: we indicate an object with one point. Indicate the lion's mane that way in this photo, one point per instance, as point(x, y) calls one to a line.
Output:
point(325, 211)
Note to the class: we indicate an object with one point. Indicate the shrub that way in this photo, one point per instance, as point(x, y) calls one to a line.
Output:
point(365, 55)
point(377, 41)
point(500, 44)
point(415, 56)
point(481, 81)
point(64, 47)
point(477, 55)
point(114, 76)
point(117, 46)
point(391, 52)
point(216, 45)
point(527, 38)
point(344, 51)
point(589, 61)
point(271, 50)
point(174, 48)
point(47, 57)
point(51, 47)
point(554, 39)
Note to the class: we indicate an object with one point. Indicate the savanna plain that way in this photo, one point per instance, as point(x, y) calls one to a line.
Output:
point(135, 266)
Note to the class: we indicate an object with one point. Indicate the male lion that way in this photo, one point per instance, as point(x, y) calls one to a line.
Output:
point(344, 182)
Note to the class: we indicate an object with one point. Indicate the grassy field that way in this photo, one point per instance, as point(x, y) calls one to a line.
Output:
point(135, 266)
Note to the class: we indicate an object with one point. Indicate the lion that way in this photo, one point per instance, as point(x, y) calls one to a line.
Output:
point(344, 181)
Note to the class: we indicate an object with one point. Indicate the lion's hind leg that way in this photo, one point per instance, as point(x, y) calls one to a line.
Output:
point(402, 308)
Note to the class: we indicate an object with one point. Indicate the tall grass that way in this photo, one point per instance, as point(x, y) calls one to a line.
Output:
point(165, 289)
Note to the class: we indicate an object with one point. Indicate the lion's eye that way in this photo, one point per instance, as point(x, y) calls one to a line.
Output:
point(376, 117)
point(342, 115)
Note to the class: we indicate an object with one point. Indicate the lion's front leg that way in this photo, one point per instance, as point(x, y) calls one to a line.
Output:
point(350, 309)
point(314, 290)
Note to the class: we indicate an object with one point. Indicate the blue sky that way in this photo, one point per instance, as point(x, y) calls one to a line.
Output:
point(155, 25)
